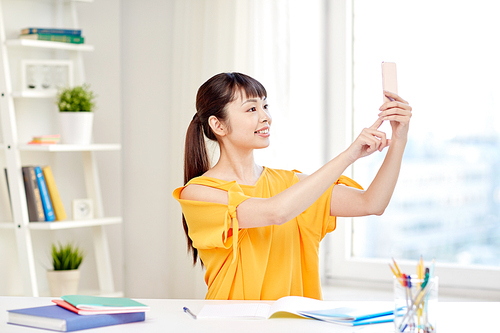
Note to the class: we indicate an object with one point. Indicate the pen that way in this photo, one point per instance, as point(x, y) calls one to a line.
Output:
point(189, 312)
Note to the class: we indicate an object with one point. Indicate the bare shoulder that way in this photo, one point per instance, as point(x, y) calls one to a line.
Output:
point(197, 192)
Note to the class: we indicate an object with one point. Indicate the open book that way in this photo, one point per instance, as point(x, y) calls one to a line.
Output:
point(302, 307)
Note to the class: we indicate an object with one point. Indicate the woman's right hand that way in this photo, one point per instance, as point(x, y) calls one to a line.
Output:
point(369, 140)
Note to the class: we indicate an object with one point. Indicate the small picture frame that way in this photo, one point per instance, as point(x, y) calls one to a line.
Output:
point(46, 75)
point(82, 209)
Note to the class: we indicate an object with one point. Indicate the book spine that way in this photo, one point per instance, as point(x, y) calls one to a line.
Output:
point(44, 194)
point(59, 211)
point(61, 38)
point(71, 32)
point(86, 322)
point(34, 201)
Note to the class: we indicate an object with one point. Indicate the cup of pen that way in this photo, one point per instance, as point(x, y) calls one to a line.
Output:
point(415, 303)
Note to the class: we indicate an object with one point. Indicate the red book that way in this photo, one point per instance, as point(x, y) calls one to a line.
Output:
point(70, 307)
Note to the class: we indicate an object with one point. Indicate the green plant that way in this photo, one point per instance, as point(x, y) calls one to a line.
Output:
point(76, 99)
point(66, 257)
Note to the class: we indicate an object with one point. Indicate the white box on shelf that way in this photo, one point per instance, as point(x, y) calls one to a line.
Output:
point(46, 76)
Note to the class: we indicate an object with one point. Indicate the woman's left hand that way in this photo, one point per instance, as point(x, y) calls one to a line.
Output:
point(399, 113)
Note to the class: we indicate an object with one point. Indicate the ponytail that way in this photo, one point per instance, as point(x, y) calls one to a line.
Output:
point(196, 163)
point(195, 151)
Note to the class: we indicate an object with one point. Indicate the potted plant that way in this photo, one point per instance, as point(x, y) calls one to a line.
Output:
point(64, 278)
point(76, 106)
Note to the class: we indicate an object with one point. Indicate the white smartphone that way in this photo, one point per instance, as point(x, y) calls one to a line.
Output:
point(389, 79)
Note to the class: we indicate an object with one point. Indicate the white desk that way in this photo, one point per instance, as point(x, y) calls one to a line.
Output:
point(166, 315)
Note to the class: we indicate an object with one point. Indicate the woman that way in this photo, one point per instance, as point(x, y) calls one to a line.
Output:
point(257, 230)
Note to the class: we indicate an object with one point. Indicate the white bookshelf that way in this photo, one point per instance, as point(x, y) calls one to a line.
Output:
point(67, 147)
point(12, 149)
point(49, 45)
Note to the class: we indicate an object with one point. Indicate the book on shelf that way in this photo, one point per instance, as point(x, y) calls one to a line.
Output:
point(45, 139)
point(52, 31)
point(300, 307)
point(56, 318)
point(44, 194)
point(57, 205)
point(55, 38)
point(33, 198)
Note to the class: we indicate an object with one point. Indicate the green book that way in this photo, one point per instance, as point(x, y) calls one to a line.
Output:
point(99, 303)
point(55, 38)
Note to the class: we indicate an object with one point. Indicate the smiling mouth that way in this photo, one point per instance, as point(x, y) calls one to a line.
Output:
point(264, 131)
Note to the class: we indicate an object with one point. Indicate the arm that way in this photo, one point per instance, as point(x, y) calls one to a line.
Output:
point(349, 202)
point(258, 212)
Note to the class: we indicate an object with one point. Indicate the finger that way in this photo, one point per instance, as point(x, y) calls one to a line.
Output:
point(394, 105)
point(400, 119)
point(377, 140)
point(394, 96)
point(395, 111)
point(377, 123)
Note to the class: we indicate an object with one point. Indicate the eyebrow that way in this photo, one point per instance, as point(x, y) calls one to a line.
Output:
point(253, 100)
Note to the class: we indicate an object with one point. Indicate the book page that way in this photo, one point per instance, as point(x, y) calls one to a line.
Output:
point(297, 304)
point(242, 310)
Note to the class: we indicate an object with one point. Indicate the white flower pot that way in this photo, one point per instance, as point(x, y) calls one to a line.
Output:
point(63, 282)
point(76, 127)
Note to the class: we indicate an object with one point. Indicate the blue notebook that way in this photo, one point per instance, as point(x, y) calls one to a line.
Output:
point(53, 317)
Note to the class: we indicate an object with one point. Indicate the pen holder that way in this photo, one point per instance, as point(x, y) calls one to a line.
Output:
point(415, 303)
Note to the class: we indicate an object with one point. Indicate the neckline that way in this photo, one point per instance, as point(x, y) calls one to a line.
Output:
point(264, 170)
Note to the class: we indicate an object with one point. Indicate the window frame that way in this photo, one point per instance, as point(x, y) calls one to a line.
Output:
point(340, 267)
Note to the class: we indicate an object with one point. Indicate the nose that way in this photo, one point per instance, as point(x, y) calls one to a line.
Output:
point(265, 117)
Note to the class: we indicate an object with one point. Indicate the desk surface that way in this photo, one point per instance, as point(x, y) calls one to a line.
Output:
point(166, 315)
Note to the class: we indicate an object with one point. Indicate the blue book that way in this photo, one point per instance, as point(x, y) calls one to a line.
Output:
point(56, 318)
point(52, 31)
point(44, 193)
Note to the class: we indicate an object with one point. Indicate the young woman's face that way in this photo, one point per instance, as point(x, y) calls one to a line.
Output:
point(248, 122)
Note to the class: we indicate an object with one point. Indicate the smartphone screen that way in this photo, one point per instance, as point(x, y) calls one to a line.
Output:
point(389, 79)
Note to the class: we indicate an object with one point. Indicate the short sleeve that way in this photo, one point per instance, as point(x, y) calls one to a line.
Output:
point(209, 223)
point(317, 219)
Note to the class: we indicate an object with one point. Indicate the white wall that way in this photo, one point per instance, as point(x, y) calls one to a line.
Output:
point(157, 265)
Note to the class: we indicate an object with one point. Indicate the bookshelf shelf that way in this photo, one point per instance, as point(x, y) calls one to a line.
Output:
point(49, 45)
point(34, 94)
point(74, 224)
point(60, 147)
point(70, 224)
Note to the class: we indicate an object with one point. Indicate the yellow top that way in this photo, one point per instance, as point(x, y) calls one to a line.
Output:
point(264, 263)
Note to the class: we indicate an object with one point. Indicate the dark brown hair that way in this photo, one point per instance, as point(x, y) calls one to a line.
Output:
point(212, 98)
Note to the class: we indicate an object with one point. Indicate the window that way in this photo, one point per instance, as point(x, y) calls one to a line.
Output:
point(447, 201)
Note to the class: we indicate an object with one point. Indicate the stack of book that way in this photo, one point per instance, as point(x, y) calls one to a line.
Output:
point(77, 312)
point(54, 35)
point(45, 139)
point(42, 195)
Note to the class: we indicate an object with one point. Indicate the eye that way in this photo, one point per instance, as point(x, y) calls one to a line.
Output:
point(266, 107)
point(253, 109)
